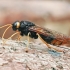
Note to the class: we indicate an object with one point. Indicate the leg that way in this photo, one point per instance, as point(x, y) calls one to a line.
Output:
point(52, 47)
point(19, 37)
point(13, 35)
point(49, 46)
point(26, 49)
point(4, 41)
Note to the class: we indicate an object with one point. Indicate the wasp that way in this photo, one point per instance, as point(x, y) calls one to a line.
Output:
point(49, 37)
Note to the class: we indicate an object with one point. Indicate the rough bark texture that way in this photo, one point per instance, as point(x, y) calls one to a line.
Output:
point(14, 57)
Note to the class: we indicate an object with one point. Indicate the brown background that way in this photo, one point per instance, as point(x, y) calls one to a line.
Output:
point(51, 14)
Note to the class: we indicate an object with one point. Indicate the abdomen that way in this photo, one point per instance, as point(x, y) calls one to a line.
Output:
point(53, 41)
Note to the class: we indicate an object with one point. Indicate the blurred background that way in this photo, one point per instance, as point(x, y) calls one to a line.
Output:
point(52, 14)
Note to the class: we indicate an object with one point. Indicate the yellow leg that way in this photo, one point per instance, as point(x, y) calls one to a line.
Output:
point(4, 41)
point(52, 47)
point(26, 49)
point(19, 37)
point(28, 40)
point(13, 35)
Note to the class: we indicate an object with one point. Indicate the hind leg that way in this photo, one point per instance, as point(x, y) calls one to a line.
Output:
point(49, 46)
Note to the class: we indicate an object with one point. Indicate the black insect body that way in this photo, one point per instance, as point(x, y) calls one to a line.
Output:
point(23, 27)
point(46, 35)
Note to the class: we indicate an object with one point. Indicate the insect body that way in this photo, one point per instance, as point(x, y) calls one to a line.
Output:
point(23, 27)
point(50, 37)
point(46, 35)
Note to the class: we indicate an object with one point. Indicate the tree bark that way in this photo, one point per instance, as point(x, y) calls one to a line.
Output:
point(13, 56)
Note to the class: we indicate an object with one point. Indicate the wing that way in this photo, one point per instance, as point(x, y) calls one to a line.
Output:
point(51, 37)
